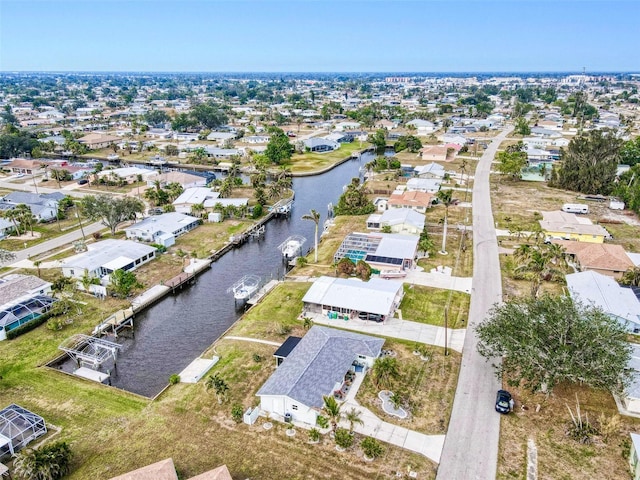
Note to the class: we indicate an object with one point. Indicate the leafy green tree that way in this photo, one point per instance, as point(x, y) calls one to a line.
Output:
point(408, 142)
point(511, 164)
point(346, 266)
point(354, 200)
point(17, 143)
point(279, 149)
point(426, 243)
point(123, 282)
point(111, 211)
point(540, 263)
point(379, 140)
point(363, 270)
point(551, 340)
point(630, 152)
point(156, 118)
point(219, 386)
point(48, 462)
point(384, 371)
point(314, 216)
point(589, 165)
point(522, 127)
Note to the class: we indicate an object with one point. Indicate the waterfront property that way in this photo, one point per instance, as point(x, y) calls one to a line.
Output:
point(342, 298)
point(24, 166)
point(24, 298)
point(103, 258)
point(187, 180)
point(568, 226)
point(321, 364)
point(195, 196)
point(18, 427)
point(320, 145)
point(128, 174)
point(162, 229)
point(383, 251)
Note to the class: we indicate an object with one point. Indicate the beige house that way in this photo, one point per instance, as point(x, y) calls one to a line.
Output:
point(604, 258)
point(98, 140)
point(24, 166)
point(434, 153)
point(166, 470)
point(418, 201)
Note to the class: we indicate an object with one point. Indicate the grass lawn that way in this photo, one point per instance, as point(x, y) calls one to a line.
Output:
point(427, 304)
point(46, 231)
point(209, 237)
point(560, 457)
point(428, 387)
point(309, 162)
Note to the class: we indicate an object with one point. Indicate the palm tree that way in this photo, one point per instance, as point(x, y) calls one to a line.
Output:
point(14, 216)
point(446, 198)
point(25, 216)
point(353, 417)
point(384, 370)
point(631, 277)
point(315, 218)
point(197, 209)
point(332, 408)
point(542, 263)
point(37, 264)
point(218, 384)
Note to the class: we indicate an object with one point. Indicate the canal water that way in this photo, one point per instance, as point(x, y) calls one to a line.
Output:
point(173, 332)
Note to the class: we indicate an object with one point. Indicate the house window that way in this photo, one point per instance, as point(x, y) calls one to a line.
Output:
point(294, 407)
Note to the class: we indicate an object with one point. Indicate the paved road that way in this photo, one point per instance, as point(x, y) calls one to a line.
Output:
point(54, 243)
point(471, 445)
point(29, 187)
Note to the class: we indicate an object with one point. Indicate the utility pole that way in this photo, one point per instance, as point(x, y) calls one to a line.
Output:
point(80, 222)
point(446, 350)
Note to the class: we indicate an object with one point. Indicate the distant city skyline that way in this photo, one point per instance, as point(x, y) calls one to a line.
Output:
point(319, 36)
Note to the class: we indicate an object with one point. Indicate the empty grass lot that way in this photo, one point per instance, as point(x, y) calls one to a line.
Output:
point(427, 305)
point(310, 162)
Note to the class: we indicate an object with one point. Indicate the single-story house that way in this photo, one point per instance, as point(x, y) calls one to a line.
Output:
point(24, 166)
point(432, 170)
point(285, 349)
point(186, 137)
point(5, 227)
point(386, 124)
point(223, 152)
point(166, 470)
point(256, 139)
point(103, 258)
point(605, 258)
point(316, 367)
point(320, 145)
point(435, 153)
point(401, 220)
point(160, 133)
point(162, 229)
point(428, 185)
point(454, 138)
point(418, 201)
point(22, 298)
point(221, 137)
point(76, 172)
point(187, 180)
point(620, 303)
point(128, 174)
point(98, 140)
point(383, 251)
point(194, 196)
point(44, 207)
point(423, 127)
point(342, 126)
point(568, 226)
point(634, 451)
point(339, 137)
point(545, 132)
point(631, 397)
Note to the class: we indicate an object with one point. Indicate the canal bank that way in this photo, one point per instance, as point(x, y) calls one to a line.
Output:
point(175, 330)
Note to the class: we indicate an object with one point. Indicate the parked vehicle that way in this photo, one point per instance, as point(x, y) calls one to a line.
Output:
point(575, 208)
point(503, 401)
point(83, 181)
point(370, 316)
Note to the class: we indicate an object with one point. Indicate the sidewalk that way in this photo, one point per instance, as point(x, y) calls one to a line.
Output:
point(396, 328)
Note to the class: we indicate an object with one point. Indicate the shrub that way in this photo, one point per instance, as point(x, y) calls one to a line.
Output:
point(343, 438)
point(284, 329)
point(257, 358)
point(27, 327)
point(371, 447)
point(322, 422)
point(173, 379)
point(314, 435)
point(237, 412)
point(159, 248)
point(97, 235)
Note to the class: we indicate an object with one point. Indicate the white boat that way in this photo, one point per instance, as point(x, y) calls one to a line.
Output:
point(113, 156)
point(244, 288)
point(393, 274)
point(292, 246)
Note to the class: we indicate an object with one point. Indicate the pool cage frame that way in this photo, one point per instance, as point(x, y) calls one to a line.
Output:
point(18, 427)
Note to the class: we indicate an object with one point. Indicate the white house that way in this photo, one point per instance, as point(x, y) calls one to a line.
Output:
point(400, 220)
point(384, 251)
point(128, 174)
point(22, 298)
point(316, 367)
point(193, 196)
point(320, 145)
point(432, 170)
point(634, 451)
point(103, 258)
point(162, 229)
point(5, 227)
point(342, 126)
point(187, 180)
point(631, 396)
point(428, 185)
point(423, 127)
point(44, 207)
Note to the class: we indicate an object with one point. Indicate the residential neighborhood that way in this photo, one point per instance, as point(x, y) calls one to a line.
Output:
point(317, 275)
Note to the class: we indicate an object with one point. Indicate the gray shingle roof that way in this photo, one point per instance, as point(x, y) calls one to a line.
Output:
point(318, 362)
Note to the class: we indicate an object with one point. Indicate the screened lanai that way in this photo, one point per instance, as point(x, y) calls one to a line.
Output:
point(18, 427)
point(24, 311)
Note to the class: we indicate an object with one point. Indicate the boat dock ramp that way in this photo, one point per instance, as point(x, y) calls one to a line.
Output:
point(262, 292)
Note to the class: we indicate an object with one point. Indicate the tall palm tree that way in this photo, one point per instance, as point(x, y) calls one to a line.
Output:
point(25, 216)
point(542, 263)
point(332, 408)
point(315, 218)
point(446, 198)
point(14, 216)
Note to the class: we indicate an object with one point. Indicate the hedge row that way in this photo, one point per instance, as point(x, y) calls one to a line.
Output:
point(27, 327)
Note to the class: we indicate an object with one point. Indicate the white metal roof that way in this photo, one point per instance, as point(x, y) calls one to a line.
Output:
point(374, 296)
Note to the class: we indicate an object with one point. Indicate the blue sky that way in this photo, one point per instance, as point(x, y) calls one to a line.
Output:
point(319, 36)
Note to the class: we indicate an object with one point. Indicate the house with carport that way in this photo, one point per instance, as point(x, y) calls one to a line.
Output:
point(162, 229)
point(316, 367)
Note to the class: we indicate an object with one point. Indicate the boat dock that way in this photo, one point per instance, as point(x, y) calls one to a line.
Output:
point(262, 292)
point(282, 208)
point(116, 322)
